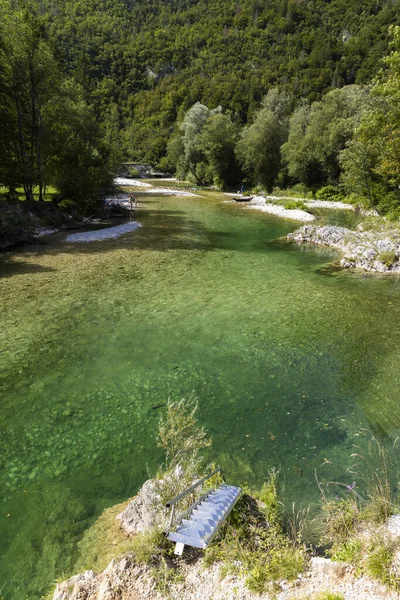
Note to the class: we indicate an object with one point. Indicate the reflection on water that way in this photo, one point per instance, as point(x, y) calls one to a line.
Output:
point(288, 365)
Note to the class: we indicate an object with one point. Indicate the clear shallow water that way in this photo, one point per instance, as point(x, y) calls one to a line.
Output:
point(288, 358)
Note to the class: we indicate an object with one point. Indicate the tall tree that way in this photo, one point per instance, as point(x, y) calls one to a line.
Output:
point(371, 162)
point(31, 82)
point(217, 142)
point(258, 148)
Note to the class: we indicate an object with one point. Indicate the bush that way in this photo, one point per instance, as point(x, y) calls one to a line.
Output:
point(388, 258)
point(16, 225)
point(295, 204)
point(133, 172)
point(331, 193)
point(253, 543)
point(379, 563)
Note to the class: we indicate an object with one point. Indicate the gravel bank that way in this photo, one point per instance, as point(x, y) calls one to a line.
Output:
point(170, 192)
point(259, 203)
point(127, 181)
point(102, 234)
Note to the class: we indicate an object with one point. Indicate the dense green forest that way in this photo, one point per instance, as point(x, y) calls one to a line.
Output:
point(279, 92)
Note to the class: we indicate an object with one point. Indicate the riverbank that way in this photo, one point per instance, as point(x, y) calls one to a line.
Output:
point(296, 214)
point(125, 578)
point(253, 557)
point(376, 250)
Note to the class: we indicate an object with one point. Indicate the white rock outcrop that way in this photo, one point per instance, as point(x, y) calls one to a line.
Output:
point(377, 251)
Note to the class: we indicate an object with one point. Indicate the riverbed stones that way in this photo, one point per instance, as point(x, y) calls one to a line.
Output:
point(377, 251)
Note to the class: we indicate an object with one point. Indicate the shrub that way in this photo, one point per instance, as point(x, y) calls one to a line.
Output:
point(16, 225)
point(379, 563)
point(349, 551)
point(180, 435)
point(295, 204)
point(341, 517)
point(388, 258)
point(133, 172)
point(253, 543)
point(330, 193)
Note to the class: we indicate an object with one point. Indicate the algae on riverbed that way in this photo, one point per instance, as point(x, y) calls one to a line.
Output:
point(287, 364)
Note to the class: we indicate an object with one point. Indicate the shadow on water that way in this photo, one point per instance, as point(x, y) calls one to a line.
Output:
point(162, 231)
point(9, 268)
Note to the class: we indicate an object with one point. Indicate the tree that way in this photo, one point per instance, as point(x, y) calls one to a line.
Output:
point(258, 148)
point(30, 77)
point(297, 153)
point(216, 143)
point(318, 133)
point(371, 161)
point(192, 127)
point(52, 136)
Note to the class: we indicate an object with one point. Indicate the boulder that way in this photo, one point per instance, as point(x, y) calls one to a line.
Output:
point(326, 566)
point(145, 511)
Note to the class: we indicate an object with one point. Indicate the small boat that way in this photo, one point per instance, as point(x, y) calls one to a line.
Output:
point(242, 198)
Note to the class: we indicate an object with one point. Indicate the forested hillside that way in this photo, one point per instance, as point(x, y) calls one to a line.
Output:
point(156, 58)
point(118, 78)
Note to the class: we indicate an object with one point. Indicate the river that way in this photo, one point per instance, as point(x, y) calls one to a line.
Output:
point(290, 360)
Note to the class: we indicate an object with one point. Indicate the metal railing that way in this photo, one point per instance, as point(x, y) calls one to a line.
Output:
point(173, 502)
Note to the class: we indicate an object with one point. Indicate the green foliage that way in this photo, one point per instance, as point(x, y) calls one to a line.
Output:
point(217, 144)
point(133, 172)
point(379, 563)
point(341, 518)
point(370, 162)
point(52, 135)
point(179, 434)
point(348, 551)
point(294, 204)
point(330, 193)
point(166, 575)
point(253, 543)
point(318, 133)
point(258, 148)
point(388, 258)
point(148, 547)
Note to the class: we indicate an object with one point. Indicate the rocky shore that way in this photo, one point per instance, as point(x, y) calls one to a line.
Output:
point(124, 579)
point(375, 251)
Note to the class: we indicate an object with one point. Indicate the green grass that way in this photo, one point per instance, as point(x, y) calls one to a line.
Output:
point(379, 562)
point(48, 196)
point(253, 543)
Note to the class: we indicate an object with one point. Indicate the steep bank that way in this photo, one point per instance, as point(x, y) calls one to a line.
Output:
point(267, 566)
point(376, 251)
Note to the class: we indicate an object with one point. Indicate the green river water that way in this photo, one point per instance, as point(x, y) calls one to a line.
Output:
point(288, 358)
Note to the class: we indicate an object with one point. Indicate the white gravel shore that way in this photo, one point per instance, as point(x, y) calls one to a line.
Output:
point(103, 234)
point(296, 214)
point(170, 192)
point(127, 181)
point(328, 204)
